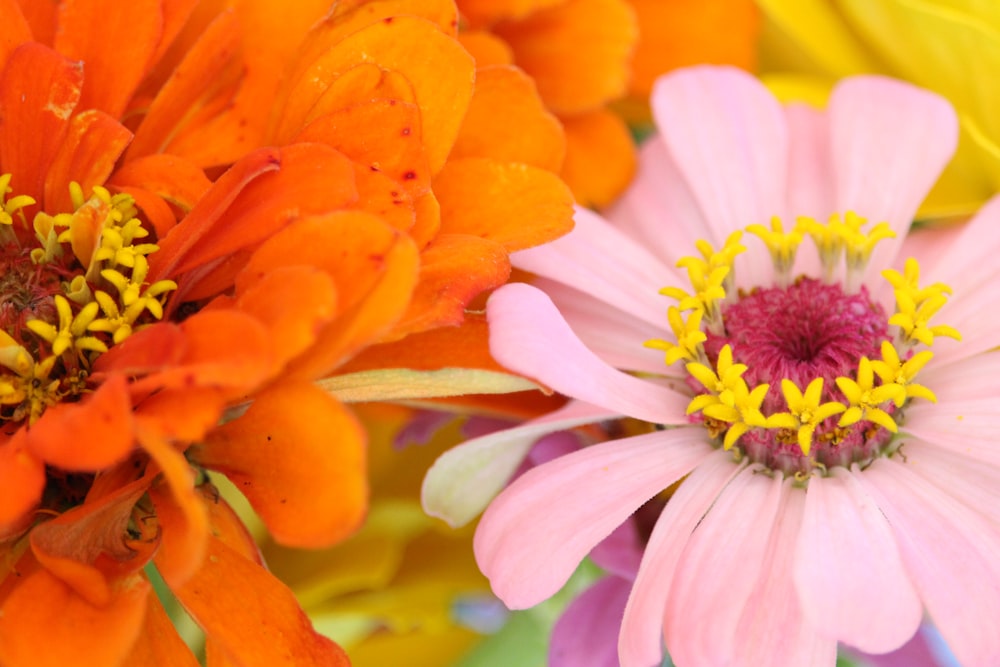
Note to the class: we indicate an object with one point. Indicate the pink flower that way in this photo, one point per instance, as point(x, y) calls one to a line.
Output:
point(837, 443)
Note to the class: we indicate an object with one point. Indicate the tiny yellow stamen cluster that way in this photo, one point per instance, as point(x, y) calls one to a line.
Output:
point(11, 207)
point(729, 400)
point(917, 306)
point(104, 298)
point(782, 246)
point(805, 412)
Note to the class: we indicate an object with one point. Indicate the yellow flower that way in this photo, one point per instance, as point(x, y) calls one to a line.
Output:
point(948, 47)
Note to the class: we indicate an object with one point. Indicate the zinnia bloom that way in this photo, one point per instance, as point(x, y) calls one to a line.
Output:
point(830, 414)
point(142, 302)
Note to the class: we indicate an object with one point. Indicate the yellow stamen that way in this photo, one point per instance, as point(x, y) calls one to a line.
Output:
point(805, 412)
point(689, 337)
point(892, 370)
point(782, 246)
point(864, 398)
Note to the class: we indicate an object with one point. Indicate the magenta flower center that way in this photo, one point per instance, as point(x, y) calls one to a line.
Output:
point(801, 332)
point(810, 373)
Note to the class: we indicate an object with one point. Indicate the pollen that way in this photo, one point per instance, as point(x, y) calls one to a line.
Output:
point(845, 367)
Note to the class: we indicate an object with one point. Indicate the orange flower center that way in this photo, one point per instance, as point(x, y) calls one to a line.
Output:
point(73, 285)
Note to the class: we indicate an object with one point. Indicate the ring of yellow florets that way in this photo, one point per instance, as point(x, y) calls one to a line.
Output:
point(872, 398)
point(77, 283)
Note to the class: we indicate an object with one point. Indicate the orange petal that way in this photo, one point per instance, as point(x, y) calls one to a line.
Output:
point(173, 178)
point(85, 547)
point(207, 62)
point(24, 479)
point(312, 179)
point(14, 28)
point(357, 83)
point(480, 12)
point(41, 17)
point(463, 346)
point(485, 48)
point(180, 511)
point(227, 350)
point(572, 78)
point(39, 89)
point(252, 616)
point(155, 211)
point(439, 69)
point(45, 624)
point(116, 40)
point(507, 121)
point(298, 456)
point(185, 237)
point(293, 302)
point(385, 198)
point(269, 35)
point(159, 643)
point(374, 269)
point(182, 414)
point(86, 436)
point(676, 33)
point(93, 144)
point(453, 270)
point(154, 348)
point(600, 157)
point(384, 135)
point(428, 219)
point(513, 204)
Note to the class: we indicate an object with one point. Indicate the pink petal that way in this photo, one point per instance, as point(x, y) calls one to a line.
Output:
point(530, 337)
point(620, 553)
point(964, 420)
point(951, 554)
point(586, 632)
point(533, 536)
point(614, 336)
point(967, 479)
point(641, 640)
point(959, 247)
point(773, 630)
point(658, 210)
point(719, 569)
point(916, 652)
point(727, 134)
point(890, 141)
point(850, 579)
point(602, 261)
point(810, 166)
point(810, 178)
point(464, 479)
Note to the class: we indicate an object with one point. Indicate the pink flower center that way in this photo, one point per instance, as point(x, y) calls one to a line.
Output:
point(807, 330)
point(805, 374)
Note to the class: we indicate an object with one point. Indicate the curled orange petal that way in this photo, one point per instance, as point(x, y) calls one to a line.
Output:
point(159, 643)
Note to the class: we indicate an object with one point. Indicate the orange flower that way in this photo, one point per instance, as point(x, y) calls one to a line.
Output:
point(578, 53)
point(149, 299)
point(587, 54)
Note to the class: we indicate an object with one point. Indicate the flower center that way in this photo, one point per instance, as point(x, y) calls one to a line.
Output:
point(73, 285)
point(807, 374)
